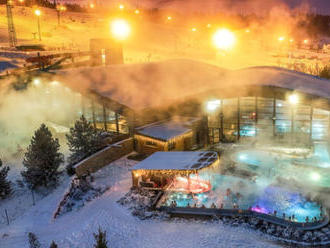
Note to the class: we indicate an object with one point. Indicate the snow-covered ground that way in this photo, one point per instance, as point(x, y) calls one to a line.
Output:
point(75, 229)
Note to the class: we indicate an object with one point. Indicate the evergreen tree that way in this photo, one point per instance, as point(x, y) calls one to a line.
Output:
point(33, 241)
point(325, 72)
point(100, 239)
point(53, 245)
point(42, 159)
point(5, 187)
point(83, 140)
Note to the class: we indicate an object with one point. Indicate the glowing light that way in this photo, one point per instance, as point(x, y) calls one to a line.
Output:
point(291, 40)
point(315, 176)
point(92, 5)
point(281, 38)
point(293, 99)
point(169, 18)
point(247, 30)
point(224, 39)
point(279, 105)
point(120, 29)
point(37, 12)
point(61, 8)
point(21, 1)
point(242, 157)
point(212, 105)
point(137, 11)
point(121, 7)
point(306, 41)
point(209, 25)
point(55, 83)
point(194, 29)
point(36, 82)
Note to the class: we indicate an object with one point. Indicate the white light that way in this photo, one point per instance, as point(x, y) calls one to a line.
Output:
point(293, 99)
point(315, 176)
point(242, 157)
point(279, 105)
point(120, 29)
point(212, 105)
point(224, 39)
point(55, 83)
point(36, 82)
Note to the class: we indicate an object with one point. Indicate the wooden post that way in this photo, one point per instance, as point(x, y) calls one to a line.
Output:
point(7, 217)
point(33, 200)
point(105, 118)
point(93, 114)
point(117, 122)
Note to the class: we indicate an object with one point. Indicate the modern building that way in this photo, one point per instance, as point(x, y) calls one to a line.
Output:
point(176, 134)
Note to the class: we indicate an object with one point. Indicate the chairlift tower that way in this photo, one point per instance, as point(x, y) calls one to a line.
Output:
point(11, 27)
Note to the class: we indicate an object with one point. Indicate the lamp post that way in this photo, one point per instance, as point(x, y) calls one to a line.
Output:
point(59, 9)
point(37, 12)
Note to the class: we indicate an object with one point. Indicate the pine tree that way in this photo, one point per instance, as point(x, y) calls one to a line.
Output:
point(53, 245)
point(5, 187)
point(33, 241)
point(83, 140)
point(100, 239)
point(42, 159)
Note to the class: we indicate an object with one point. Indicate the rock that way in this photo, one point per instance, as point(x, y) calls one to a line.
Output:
point(297, 234)
point(307, 236)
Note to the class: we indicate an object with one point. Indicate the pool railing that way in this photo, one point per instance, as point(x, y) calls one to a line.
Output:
point(245, 213)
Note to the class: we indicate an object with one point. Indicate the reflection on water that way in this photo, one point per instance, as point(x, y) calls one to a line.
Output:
point(230, 192)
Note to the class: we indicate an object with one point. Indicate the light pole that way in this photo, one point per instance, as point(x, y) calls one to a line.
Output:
point(59, 9)
point(37, 12)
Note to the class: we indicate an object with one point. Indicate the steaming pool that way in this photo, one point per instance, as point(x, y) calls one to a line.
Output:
point(313, 169)
point(228, 191)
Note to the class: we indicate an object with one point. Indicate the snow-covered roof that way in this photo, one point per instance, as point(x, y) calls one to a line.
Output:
point(140, 86)
point(169, 129)
point(177, 161)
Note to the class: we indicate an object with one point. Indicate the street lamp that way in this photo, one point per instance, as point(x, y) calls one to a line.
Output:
point(120, 29)
point(224, 39)
point(59, 9)
point(37, 12)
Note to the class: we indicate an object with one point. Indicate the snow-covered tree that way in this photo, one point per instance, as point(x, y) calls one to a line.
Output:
point(5, 187)
point(100, 239)
point(33, 241)
point(83, 141)
point(42, 159)
point(53, 245)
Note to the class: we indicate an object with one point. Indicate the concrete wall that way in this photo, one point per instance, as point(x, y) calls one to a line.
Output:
point(104, 157)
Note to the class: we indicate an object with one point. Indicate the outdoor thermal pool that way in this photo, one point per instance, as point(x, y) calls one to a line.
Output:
point(229, 192)
point(313, 169)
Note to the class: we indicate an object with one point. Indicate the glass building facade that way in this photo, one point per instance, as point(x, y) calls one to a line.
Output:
point(248, 117)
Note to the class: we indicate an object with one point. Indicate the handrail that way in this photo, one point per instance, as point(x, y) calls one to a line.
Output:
point(249, 213)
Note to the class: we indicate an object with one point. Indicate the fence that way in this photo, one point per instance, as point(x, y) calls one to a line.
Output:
point(104, 157)
point(245, 213)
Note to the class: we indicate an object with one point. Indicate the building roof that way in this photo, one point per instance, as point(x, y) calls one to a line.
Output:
point(167, 130)
point(140, 86)
point(177, 161)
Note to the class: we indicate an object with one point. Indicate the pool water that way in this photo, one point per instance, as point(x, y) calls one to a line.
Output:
point(314, 169)
point(228, 190)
